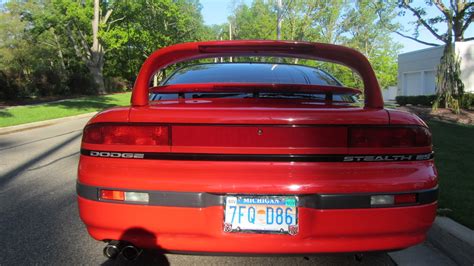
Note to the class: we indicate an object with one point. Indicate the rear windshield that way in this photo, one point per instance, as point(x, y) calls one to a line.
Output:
point(251, 73)
point(265, 73)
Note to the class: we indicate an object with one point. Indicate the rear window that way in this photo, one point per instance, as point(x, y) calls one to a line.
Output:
point(251, 73)
point(265, 73)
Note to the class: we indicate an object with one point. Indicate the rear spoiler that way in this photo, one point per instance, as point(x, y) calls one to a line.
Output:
point(315, 51)
point(252, 88)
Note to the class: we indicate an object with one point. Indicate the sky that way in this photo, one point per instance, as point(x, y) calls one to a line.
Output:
point(217, 11)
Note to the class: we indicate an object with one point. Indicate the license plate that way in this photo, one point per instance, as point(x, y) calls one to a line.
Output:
point(261, 214)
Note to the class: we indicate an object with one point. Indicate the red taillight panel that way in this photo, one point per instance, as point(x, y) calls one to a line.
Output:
point(258, 136)
point(405, 199)
point(126, 134)
point(389, 137)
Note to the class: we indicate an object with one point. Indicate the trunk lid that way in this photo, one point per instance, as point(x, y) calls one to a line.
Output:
point(256, 126)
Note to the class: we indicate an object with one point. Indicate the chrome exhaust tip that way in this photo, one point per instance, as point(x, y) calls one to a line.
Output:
point(130, 252)
point(113, 249)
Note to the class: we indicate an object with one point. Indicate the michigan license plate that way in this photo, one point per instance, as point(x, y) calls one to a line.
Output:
point(261, 214)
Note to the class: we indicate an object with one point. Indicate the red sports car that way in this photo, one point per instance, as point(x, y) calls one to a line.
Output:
point(256, 158)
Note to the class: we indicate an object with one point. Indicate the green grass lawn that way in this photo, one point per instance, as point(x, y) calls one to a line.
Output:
point(454, 156)
point(26, 114)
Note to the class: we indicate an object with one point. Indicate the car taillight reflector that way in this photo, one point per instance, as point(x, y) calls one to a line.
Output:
point(378, 200)
point(126, 134)
point(405, 199)
point(112, 195)
point(393, 200)
point(119, 195)
point(389, 137)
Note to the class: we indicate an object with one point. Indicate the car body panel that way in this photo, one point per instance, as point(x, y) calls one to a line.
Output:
point(251, 111)
point(177, 229)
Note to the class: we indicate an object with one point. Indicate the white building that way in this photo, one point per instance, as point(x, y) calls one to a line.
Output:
point(417, 69)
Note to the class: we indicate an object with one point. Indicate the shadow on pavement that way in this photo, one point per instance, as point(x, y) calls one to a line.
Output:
point(10, 175)
point(7, 147)
point(4, 144)
point(148, 257)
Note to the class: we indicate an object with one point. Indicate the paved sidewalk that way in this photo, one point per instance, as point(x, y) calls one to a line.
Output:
point(453, 239)
point(421, 255)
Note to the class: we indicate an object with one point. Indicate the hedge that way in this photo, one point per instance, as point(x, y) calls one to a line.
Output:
point(423, 100)
point(467, 101)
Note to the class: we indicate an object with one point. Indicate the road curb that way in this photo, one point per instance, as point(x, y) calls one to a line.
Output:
point(11, 129)
point(453, 239)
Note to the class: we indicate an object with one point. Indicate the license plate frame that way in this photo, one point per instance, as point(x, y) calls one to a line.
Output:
point(259, 203)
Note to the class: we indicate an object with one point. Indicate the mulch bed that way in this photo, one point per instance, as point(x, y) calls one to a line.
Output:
point(465, 117)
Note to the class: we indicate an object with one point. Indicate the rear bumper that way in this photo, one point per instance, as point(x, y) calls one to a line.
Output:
point(197, 225)
point(201, 229)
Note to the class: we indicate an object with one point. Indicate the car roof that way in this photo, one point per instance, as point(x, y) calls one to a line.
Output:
point(250, 72)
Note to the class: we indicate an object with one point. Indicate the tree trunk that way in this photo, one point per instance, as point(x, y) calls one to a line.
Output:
point(96, 62)
point(98, 77)
point(60, 52)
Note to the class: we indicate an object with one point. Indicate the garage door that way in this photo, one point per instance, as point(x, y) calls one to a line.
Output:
point(413, 85)
point(429, 86)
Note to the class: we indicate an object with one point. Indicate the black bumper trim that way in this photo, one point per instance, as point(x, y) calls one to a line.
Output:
point(259, 157)
point(203, 199)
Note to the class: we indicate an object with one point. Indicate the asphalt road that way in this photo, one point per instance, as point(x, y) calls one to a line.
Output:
point(39, 220)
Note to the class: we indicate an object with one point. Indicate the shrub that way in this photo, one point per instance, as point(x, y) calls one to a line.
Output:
point(47, 82)
point(80, 82)
point(117, 84)
point(467, 101)
point(6, 92)
point(423, 100)
point(12, 86)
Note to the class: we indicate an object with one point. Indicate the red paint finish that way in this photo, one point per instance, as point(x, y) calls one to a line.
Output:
point(398, 117)
point(257, 111)
point(257, 177)
point(201, 229)
point(258, 126)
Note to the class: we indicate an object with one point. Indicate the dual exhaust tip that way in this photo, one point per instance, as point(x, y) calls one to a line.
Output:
point(115, 248)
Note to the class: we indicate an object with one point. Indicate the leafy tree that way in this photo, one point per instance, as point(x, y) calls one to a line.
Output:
point(366, 28)
point(457, 17)
point(132, 39)
point(82, 23)
point(314, 20)
point(29, 62)
point(75, 42)
point(257, 22)
point(364, 25)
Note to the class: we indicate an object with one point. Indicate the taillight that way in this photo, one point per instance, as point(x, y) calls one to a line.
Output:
point(397, 199)
point(112, 194)
point(405, 199)
point(389, 137)
point(126, 134)
point(118, 195)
